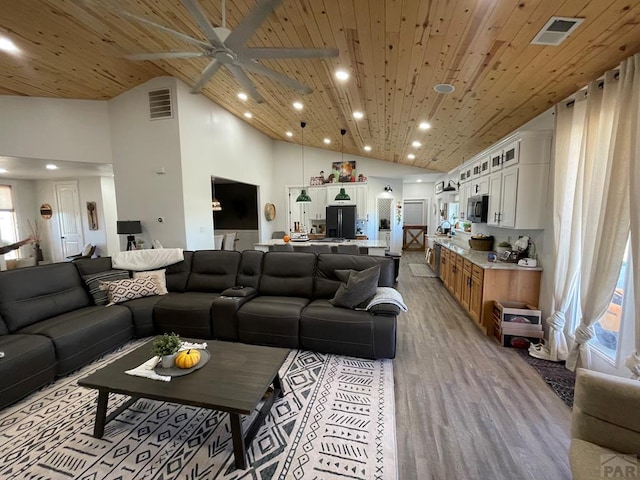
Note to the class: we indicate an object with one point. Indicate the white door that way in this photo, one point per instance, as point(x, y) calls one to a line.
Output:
point(71, 238)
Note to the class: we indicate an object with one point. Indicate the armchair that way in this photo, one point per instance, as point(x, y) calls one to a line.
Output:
point(605, 425)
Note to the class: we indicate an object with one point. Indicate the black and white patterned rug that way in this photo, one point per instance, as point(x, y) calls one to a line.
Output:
point(336, 421)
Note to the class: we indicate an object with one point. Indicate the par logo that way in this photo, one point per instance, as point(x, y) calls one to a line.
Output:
point(618, 466)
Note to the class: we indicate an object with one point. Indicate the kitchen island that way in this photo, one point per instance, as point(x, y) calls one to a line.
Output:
point(373, 247)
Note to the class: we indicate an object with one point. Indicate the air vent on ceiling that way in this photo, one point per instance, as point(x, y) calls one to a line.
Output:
point(556, 30)
point(160, 104)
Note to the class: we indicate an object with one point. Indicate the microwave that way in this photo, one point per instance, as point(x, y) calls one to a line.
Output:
point(477, 208)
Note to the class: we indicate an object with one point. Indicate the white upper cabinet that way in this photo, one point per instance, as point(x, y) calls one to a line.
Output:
point(316, 210)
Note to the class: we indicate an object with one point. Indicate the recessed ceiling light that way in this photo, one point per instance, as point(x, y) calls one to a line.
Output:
point(298, 105)
point(289, 134)
point(342, 75)
point(248, 114)
point(367, 148)
point(51, 166)
point(444, 88)
point(8, 46)
point(3, 170)
point(243, 96)
point(411, 156)
point(358, 115)
point(416, 144)
point(327, 141)
point(424, 126)
point(419, 180)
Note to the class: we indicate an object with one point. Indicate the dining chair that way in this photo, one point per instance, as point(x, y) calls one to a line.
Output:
point(320, 248)
point(287, 247)
point(229, 241)
point(217, 242)
point(350, 249)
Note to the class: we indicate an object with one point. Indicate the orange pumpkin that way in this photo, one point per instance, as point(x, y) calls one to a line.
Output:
point(286, 238)
point(187, 358)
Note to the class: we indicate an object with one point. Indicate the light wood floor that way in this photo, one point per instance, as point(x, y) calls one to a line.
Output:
point(467, 408)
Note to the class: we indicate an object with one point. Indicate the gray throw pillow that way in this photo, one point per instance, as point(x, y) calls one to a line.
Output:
point(360, 287)
point(343, 275)
point(95, 280)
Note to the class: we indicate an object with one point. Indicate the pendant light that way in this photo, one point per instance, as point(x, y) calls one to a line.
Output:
point(303, 197)
point(342, 195)
point(216, 206)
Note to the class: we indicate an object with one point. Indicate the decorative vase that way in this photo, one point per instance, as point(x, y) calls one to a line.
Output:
point(168, 361)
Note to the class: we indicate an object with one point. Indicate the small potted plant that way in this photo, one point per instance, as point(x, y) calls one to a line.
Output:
point(467, 226)
point(166, 348)
point(503, 247)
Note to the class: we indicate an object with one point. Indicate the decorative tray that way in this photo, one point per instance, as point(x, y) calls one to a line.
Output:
point(179, 372)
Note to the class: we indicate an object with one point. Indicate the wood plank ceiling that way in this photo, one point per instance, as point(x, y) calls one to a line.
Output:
point(395, 51)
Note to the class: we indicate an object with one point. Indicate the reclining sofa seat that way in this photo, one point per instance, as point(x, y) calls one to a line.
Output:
point(325, 328)
point(51, 301)
point(285, 288)
point(187, 308)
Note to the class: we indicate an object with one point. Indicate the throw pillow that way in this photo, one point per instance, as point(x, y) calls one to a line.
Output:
point(123, 290)
point(158, 276)
point(360, 287)
point(94, 282)
point(343, 275)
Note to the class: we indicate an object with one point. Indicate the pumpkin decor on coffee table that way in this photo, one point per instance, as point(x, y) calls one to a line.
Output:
point(187, 358)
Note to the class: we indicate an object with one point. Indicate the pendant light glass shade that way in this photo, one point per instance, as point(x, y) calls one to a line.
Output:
point(304, 196)
point(342, 195)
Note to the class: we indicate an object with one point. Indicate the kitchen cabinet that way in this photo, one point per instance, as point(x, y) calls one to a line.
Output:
point(362, 192)
point(480, 186)
point(485, 165)
point(297, 211)
point(316, 210)
point(505, 156)
point(357, 193)
point(477, 288)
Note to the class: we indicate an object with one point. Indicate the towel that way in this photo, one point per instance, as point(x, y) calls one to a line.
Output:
point(150, 259)
point(388, 295)
point(147, 369)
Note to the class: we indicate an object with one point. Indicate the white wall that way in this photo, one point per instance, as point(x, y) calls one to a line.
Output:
point(110, 214)
point(215, 143)
point(57, 129)
point(140, 148)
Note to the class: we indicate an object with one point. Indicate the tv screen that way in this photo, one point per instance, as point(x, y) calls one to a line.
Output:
point(239, 206)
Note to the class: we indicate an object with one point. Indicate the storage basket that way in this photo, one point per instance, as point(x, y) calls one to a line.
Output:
point(482, 243)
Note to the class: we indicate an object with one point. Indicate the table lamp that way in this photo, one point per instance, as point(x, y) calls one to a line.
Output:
point(129, 228)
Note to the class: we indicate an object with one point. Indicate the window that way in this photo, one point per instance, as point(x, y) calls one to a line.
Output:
point(8, 229)
point(608, 328)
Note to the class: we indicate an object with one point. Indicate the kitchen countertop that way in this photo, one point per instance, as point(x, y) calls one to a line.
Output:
point(360, 243)
point(478, 257)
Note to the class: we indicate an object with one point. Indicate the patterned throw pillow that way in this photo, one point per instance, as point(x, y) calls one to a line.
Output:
point(158, 276)
point(95, 281)
point(123, 290)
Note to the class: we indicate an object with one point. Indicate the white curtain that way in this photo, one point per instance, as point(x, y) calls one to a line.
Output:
point(630, 85)
point(566, 225)
point(602, 204)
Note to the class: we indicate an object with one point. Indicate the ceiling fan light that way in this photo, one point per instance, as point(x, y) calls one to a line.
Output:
point(342, 195)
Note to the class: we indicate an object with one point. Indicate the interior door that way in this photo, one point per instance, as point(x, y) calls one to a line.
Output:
point(69, 221)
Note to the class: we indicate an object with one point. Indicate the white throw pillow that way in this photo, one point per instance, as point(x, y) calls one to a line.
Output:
point(157, 276)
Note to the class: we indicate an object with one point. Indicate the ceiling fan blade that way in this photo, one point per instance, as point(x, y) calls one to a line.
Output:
point(246, 83)
point(206, 75)
point(289, 52)
point(164, 55)
point(255, 67)
point(249, 24)
point(200, 16)
point(180, 35)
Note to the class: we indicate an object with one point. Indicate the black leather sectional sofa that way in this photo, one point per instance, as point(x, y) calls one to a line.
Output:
point(50, 325)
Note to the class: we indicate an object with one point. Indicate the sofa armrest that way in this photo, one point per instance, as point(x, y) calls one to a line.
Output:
point(224, 318)
point(605, 411)
point(240, 291)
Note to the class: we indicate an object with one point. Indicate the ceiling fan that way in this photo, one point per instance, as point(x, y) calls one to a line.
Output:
point(227, 48)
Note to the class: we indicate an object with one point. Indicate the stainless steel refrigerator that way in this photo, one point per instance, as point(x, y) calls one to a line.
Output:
point(341, 221)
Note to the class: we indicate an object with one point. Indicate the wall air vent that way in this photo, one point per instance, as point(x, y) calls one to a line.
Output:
point(160, 106)
point(556, 30)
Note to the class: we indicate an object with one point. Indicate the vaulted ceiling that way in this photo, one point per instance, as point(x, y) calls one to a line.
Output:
point(394, 50)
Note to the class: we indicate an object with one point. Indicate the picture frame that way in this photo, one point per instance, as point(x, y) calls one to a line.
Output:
point(439, 187)
point(344, 171)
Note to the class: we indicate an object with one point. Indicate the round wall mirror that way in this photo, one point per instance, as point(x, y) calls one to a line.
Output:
point(46, 211)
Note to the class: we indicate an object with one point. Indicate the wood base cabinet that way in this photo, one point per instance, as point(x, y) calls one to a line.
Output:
point(476, 288)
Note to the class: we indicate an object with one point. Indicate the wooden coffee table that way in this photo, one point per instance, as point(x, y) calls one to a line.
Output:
point(234, 381)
